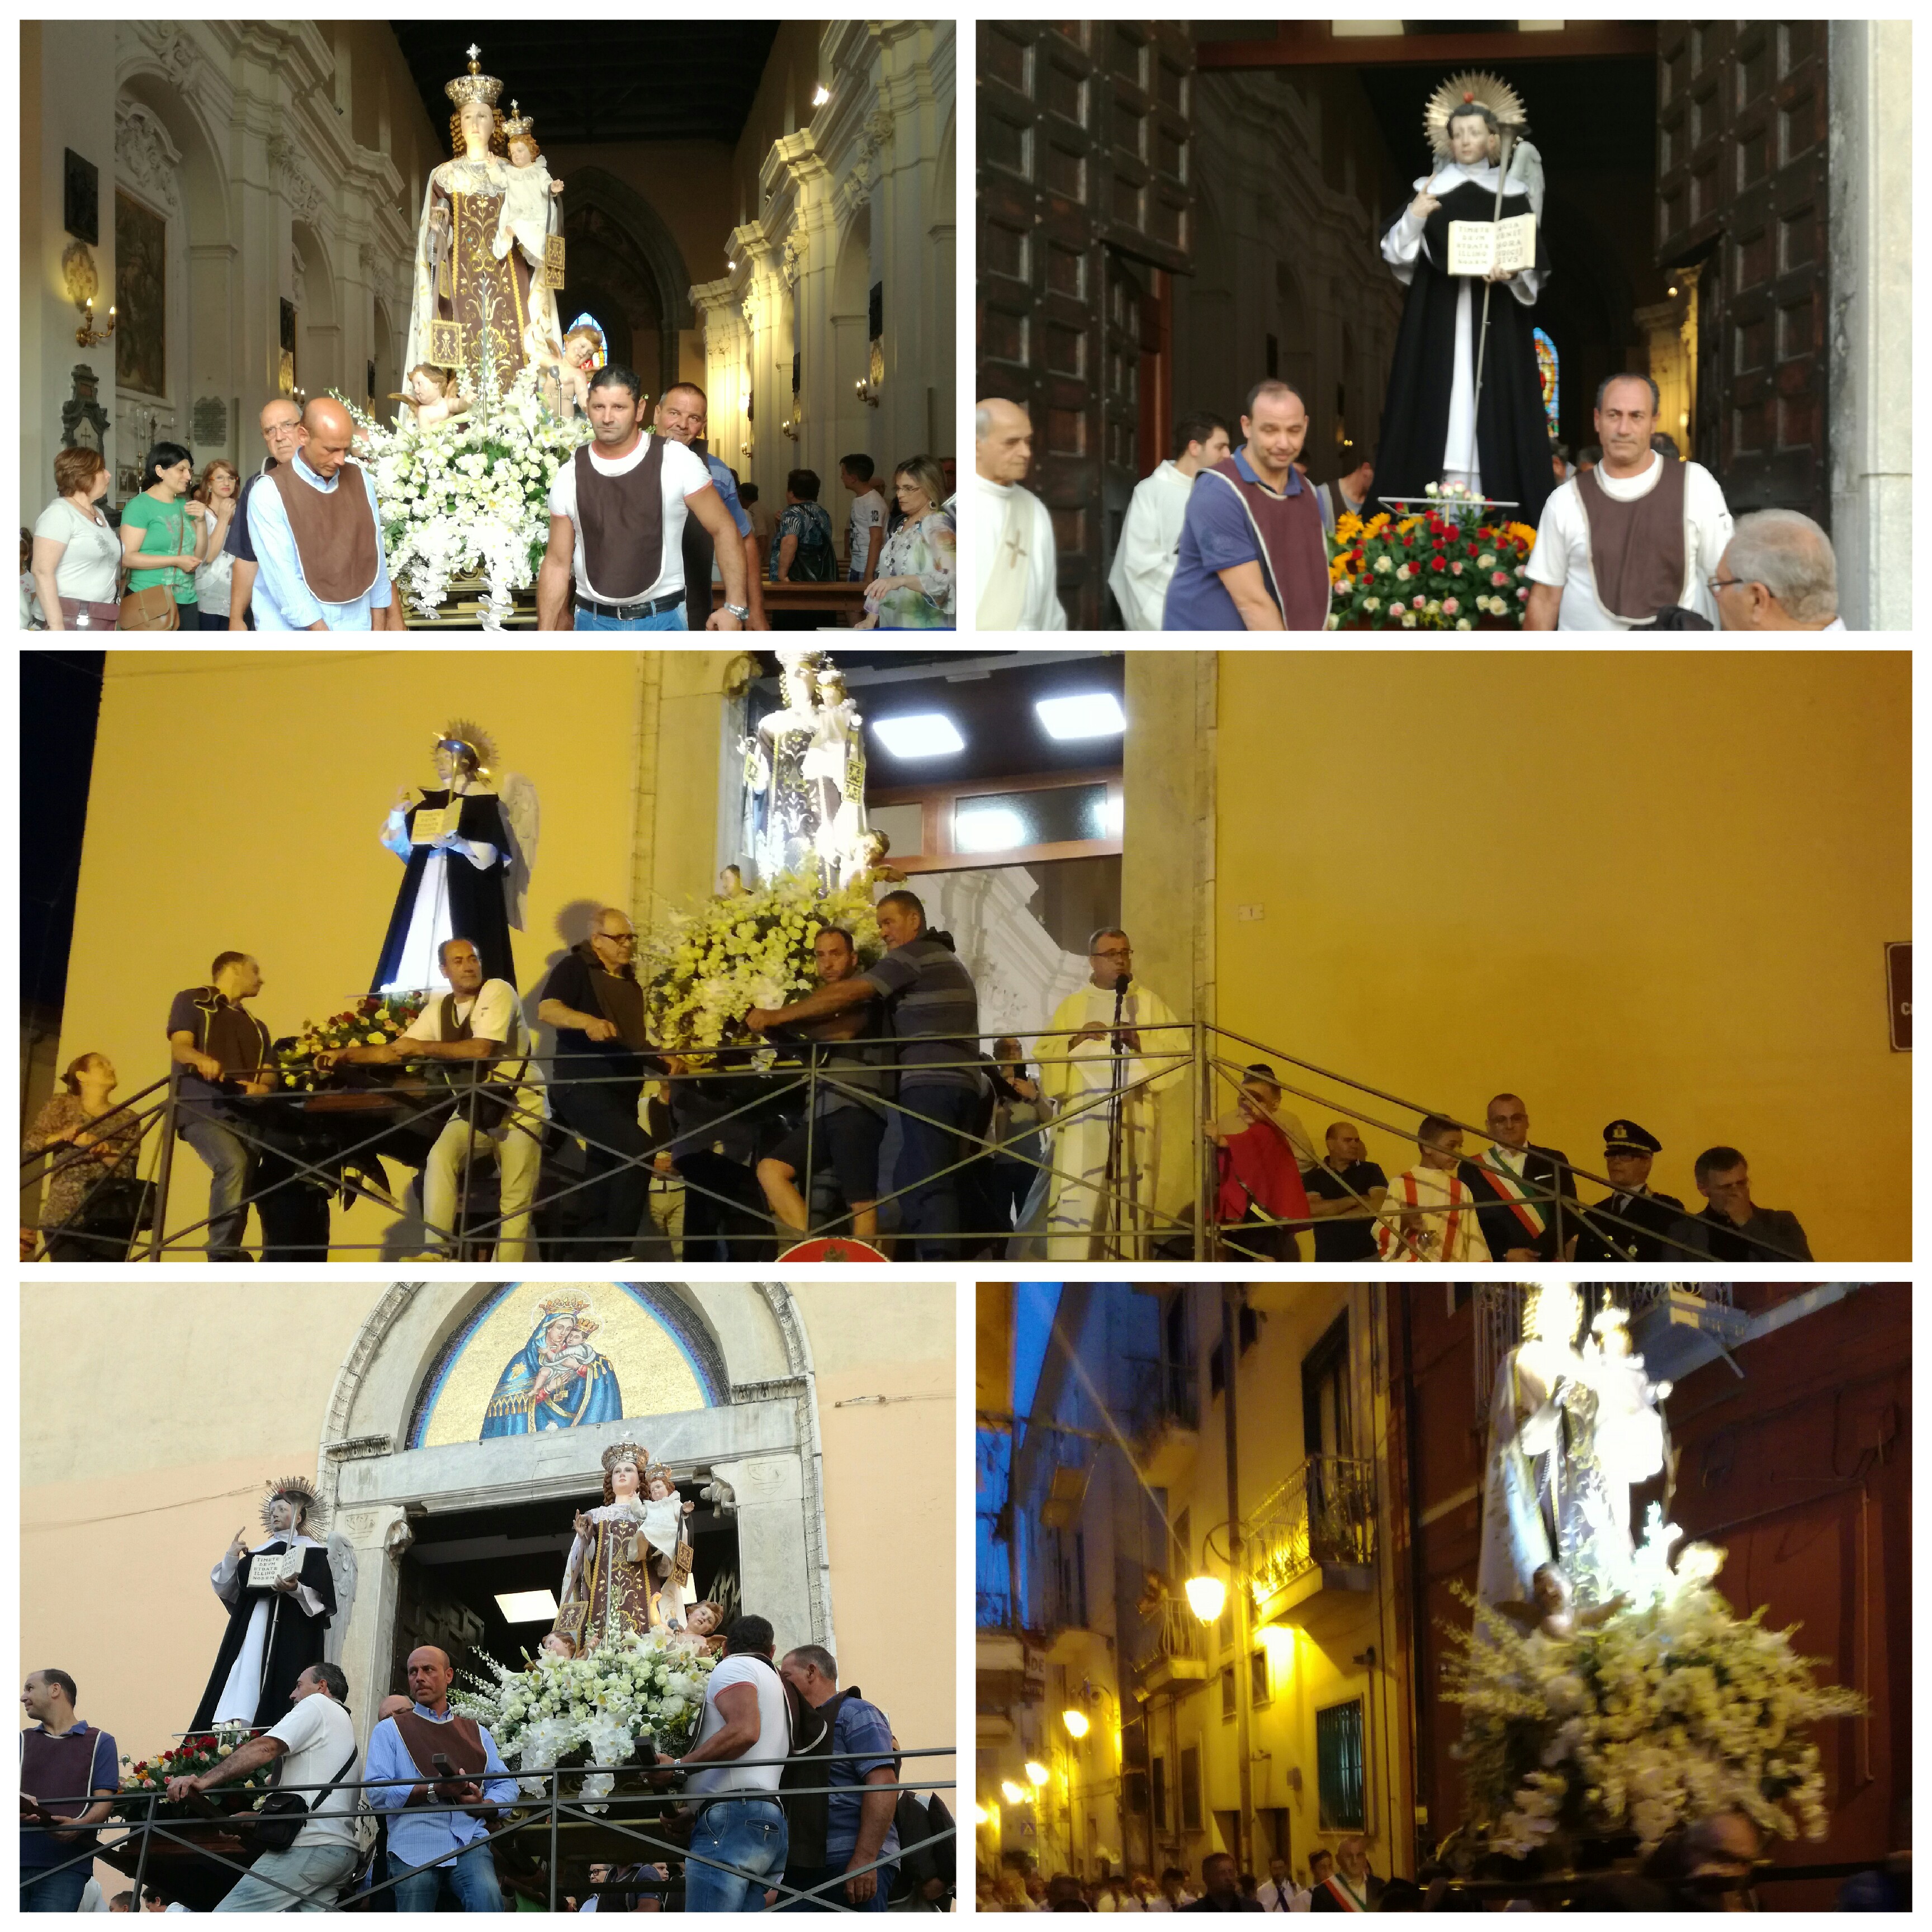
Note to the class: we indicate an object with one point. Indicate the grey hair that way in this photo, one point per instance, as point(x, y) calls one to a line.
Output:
point(1791, 557)
point(983, 423)
point(820, 1659)
point(1630, 376)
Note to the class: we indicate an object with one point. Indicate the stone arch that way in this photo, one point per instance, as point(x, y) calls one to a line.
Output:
point(853, 422)
point(636, 264)
point(386, 338)
point(758, 1447)
point(318, 313)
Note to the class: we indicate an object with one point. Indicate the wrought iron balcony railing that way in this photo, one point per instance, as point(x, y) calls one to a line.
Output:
point(1325, 1513)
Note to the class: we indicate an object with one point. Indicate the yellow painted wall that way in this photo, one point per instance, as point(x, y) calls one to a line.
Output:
point(237, 796)
point(1627, 882)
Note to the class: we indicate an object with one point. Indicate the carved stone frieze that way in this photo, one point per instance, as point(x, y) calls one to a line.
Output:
point(144, 156)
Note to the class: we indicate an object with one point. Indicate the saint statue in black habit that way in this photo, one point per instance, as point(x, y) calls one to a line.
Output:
point(467, 849)
point(281, 1597)
point(1465, 401)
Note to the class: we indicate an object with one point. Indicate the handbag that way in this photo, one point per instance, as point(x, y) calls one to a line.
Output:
point(278, 1821)
point(153, 609)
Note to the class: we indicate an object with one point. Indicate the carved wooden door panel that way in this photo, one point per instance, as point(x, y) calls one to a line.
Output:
point(1083, 130)
point(1742, 179)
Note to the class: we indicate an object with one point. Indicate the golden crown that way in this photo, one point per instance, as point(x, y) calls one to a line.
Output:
point(474, 85)
point(657, 1469)
point(627, 1452)
point(1471, 90)
point(518, 127)
point(564, 1304)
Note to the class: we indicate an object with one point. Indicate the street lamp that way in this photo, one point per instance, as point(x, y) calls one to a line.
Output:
point(1011, 1792)
point(1207, 1597)
point(1037, 1771)
point(1075, 1722)
point(981, 1815)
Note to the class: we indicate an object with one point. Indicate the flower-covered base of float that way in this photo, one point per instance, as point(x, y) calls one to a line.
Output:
point(1440, 569)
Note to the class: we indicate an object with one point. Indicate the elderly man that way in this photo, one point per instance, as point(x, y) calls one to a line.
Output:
point(932, 1011)
point(314, 1745)
point(63, 1756)
point(1150, 536)
point(1012, 548)
point(594, 1003)
point(1737, 1228)
point(1113, 1033)
point(1513, 1182)
point(1637, 536)
point(681, 414)
point(499, 1117)
point(850, 1829)
point(617, 511)
point(1252, 556)
point(1429, 1214)
point(423, 1829)
point(1351, 1886)
point(282, 433)
point(1779, 573)
point(318, 535)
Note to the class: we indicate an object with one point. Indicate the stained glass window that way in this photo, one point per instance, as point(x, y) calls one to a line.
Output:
point(1545, 370)
point(587, 320)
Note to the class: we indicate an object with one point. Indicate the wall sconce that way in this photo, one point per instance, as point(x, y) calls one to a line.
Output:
point(83, 283)
point(867, 391)
point(793, 426)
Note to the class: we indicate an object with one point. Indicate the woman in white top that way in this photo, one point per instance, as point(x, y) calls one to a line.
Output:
point(219, 489)
point(76, 565)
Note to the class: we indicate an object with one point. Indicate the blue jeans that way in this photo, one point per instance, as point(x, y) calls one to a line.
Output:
point(61, 1891)
point(672, 620)
point(318, 1873)
point(471, 1875)
point(745, 1833)
point(803, 1878)
point(228, 1158)
point(930, 1211)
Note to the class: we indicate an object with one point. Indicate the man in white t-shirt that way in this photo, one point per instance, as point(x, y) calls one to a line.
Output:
point(868, 534)
point(1637, 535)
point(616, 525)
point(476, 1019)
point(315, 1744)
point(738, 1837)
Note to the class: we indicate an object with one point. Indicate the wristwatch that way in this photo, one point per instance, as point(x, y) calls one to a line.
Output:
point(743, 612)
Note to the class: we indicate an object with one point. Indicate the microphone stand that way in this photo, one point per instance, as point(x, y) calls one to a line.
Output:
point(1108, 1224)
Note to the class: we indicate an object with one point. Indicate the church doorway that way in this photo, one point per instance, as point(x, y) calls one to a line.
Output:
point(459, 1584)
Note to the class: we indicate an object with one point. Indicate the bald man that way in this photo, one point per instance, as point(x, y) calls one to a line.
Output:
point(318, 535)
point(1012, 534)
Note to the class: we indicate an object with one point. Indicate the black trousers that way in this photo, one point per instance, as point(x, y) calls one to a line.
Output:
point(607, 1115)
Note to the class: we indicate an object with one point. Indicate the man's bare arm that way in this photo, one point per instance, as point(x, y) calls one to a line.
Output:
point(1249, 588)
point(825, 1000)
point(708, 507)
point(1545, 600)
point(553, 575)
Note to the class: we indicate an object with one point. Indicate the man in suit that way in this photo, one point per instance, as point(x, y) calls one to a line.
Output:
point(1737, 1228)
point(1513, 1182)
point(1634, 1222)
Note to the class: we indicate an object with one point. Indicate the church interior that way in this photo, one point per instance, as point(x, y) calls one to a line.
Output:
point(765, 209)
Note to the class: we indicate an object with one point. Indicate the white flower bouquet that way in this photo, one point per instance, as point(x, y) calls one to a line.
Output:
point(468, 496)
point(598, 1709)
point(1672, 1709)
point(707, 967)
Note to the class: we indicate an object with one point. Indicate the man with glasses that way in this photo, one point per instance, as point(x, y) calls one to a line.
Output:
point(1780, 574)
point(1632, 540)
point(283, 434)
point(1110, 1050)
point(594, 1002)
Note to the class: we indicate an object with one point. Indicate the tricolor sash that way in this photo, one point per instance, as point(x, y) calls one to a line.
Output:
point(1346, 1901)
point(1390, 1240)
point(1510, 1190)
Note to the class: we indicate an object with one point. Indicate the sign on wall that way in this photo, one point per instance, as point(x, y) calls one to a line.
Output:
point(1898, 992)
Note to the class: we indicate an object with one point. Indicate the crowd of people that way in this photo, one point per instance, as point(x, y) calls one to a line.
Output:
point(643, 521)
point(792, 1785)
point(1337, 1880)
point(1231, 533)
point(908, 1133)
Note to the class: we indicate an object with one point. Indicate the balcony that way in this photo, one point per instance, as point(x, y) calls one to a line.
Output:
point(1176, 1660)
point(1313, 1553)
point(1166, 1424)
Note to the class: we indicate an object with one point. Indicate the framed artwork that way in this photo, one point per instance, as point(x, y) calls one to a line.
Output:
point(141, 296)
point(81, 198)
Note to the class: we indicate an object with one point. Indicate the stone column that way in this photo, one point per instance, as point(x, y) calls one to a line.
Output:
point(362, 1641)
point(773, 1579)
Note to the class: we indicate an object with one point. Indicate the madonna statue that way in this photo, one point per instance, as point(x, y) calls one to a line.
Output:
point(468, 296)
point(606, 1583)
point(556, 1380)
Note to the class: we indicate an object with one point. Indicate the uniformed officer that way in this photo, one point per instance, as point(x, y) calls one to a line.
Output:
point(1641, 1217)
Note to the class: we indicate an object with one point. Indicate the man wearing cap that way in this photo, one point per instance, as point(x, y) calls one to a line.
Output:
point(1632, 1223)
point(1513, 1184)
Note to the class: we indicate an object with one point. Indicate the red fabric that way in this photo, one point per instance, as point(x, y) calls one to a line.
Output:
point(1260, 1163)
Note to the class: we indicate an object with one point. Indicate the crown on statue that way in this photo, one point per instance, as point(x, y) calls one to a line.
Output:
point(564, 1304)
point(627, 1452)
point(518, 127)
point(474, 85)
point(1471, 90)
point(655, 1472)
point(299, 1490)
point(465, 734)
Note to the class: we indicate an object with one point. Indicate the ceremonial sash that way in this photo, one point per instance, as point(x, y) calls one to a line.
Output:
point(1450, 1221)
point(1346, 1901)
point(1509, 1190)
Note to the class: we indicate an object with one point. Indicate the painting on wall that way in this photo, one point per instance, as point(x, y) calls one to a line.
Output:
point(140, 296)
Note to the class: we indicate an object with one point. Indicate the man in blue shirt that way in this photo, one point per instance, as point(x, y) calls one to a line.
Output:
point(62, 1757)
point(681, 415)
point(454, 1844)
point(856, 1759)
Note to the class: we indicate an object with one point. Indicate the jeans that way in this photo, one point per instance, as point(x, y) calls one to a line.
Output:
point(803, 1878)
point(746, 1833)
point(318, 1872)
point(672, 620)
point(615, 1199)
point(471, 1875)
point(227, 1158)
point(61, 1891)
point(516, 1147)
point(930, 1211)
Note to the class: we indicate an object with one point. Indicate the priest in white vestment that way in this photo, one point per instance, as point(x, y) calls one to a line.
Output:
point(1429, 1214)
point(1150, 535)
point(1090, 1214)
point(1015, 567)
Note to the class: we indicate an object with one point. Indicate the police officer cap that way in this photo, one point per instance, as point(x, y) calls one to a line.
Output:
point(1626, 1137)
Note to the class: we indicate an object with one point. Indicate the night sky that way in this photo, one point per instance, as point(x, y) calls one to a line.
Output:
point(60, 703)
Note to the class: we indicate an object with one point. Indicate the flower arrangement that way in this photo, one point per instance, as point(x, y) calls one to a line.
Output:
point(1437, 570)
point(189, 1759)
point(1670, 1709)
point(708, 966)
point(374, 1020)
point(599, 1709)
point(468, 495)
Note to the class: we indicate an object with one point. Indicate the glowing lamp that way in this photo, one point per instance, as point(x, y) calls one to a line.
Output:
point(1206, 1596)
point(1037, 1771)
point(1075, 1722)
point(981, 1815)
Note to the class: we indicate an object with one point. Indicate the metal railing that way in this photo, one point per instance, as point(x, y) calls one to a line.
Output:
point(294, 1144)
point(567, 1828)
point(1324, 1512)
point(1176, 1633)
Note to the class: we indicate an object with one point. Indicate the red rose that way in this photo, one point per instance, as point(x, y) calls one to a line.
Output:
point(1473, 548)
point(1355, 556)
point(1438, 560)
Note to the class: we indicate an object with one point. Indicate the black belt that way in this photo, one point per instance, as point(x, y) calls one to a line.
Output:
point(628, 611)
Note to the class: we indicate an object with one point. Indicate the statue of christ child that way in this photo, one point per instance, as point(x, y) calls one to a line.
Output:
point(524, 221)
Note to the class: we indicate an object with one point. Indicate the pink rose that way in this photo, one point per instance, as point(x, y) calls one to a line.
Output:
point(1455, 569)
point(1498, 578)
point(1522, 592)
point(1421, 603)
point(1450, 606)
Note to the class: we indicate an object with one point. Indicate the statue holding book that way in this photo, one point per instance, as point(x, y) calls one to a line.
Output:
point(1465, 401)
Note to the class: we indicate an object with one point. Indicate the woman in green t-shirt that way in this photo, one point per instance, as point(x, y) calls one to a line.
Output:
point(163, 534)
